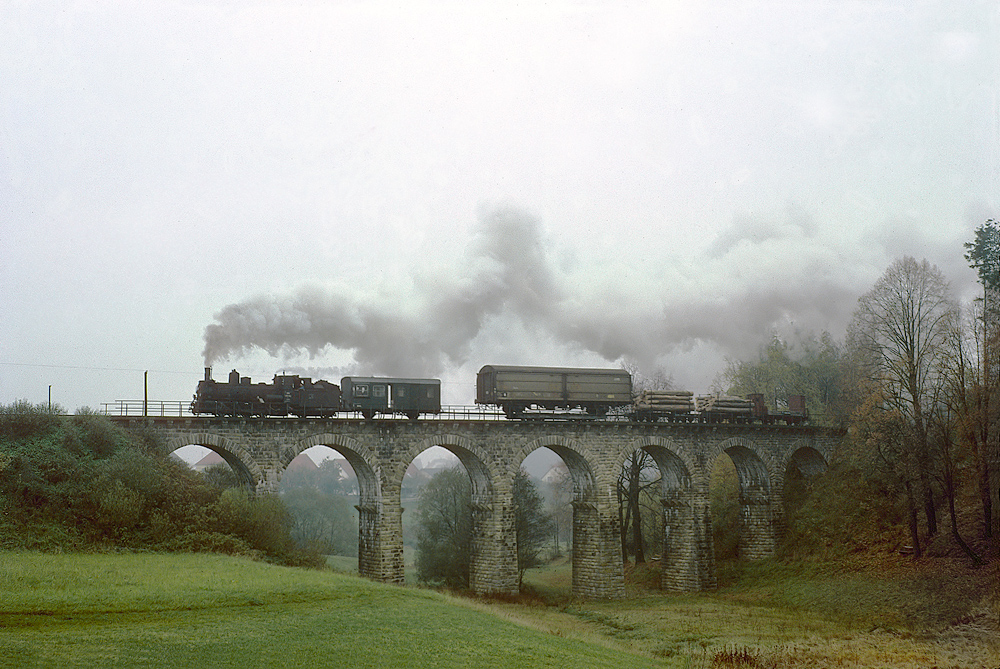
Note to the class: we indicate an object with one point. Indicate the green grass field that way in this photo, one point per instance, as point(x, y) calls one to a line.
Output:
point(212, 611)
point(769, 614)
point(174, 610)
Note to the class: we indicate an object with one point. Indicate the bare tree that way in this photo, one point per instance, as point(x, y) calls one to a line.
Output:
point(639, 479)
point(967, 398)
point(900, 328)
point(639, 476)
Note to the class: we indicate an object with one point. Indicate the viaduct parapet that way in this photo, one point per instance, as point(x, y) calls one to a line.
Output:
point(259, 450)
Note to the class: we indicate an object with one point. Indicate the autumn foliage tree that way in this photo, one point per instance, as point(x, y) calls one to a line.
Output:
point(899, 334)
point(809, 366)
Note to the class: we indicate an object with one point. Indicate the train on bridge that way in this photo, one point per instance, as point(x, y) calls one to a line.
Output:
point(520, 392)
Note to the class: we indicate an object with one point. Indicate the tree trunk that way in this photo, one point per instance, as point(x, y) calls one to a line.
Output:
point(949, 483)
point(987, 499)
point(911, 509)
point(922, 460)
point(633, 501)
point(622, 520)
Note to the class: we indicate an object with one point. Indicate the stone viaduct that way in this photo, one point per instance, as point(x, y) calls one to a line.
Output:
point(380, 451)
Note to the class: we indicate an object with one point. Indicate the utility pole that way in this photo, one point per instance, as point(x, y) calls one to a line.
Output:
point(145, 393)
point(50, 398)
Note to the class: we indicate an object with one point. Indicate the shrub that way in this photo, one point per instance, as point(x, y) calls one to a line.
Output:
point(23, 419)
point(73, 482)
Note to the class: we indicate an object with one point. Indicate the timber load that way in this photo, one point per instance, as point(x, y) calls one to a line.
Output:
point(665, 400)
point(723, 404)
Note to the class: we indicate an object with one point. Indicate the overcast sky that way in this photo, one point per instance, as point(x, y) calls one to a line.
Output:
point(425, 188)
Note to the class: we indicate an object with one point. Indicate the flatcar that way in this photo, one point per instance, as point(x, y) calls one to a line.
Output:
point(517, 389)
point(681, 406)
point(796, 413)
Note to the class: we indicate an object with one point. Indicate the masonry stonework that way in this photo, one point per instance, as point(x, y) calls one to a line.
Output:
point(259, 450)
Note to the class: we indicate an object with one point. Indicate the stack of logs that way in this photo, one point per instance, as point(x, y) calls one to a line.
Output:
point(674, 401)
point(722, 404)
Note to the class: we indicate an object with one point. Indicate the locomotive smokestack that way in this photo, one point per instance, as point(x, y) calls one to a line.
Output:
point(208, 373)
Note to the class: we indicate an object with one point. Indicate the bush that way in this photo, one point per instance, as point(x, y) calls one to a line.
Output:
point(23, 419)
point(821, 524)
point(77, 482)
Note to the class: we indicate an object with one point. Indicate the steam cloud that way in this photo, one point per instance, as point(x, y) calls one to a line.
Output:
point(734, 298)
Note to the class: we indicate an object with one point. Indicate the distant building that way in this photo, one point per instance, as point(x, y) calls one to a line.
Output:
point(557, 472)
point(211, 459)
point(301, 463)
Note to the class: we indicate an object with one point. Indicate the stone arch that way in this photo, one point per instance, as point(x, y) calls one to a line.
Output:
point(247, 471)
point(757, 532)
point(801, 462)
point(572, 454)
point(377, 558)
point(683, 563)
point(357, 455)
point(751, 466)
point(676, 465)
point(475, 460)
point(493, 553)
point(804, 457)
point(598, 571)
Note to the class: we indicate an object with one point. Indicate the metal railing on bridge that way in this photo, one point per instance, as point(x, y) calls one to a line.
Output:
point(180, 408)
point(147, 408)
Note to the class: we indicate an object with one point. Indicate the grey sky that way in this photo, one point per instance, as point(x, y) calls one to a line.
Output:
point(432, 187)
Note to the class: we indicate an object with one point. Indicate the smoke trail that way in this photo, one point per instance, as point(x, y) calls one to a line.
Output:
point(735, 298)
point(506, 269)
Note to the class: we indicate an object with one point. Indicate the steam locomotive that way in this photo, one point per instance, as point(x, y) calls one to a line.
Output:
point(520, 392)
point(290, 394)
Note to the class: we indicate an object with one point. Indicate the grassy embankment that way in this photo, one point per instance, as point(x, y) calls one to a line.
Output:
point(769, 614)
point(179, 610)
point(101, 610)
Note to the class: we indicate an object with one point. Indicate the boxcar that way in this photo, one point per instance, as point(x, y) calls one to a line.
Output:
point(371, 395)
point(515, 389)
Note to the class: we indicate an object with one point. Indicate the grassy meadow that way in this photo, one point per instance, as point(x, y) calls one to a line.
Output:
point(179, 610)
point(196, 610)
point(769, 614)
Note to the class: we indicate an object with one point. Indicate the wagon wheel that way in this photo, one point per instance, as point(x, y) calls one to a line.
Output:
point(368, 413)
point(413, 415)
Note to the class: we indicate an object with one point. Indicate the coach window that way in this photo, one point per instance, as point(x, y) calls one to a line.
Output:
point(361, 390)
point(379, 391)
